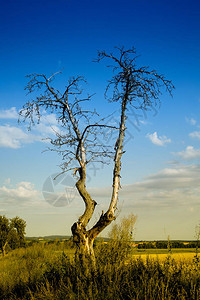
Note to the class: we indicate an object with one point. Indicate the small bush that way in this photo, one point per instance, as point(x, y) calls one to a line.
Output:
point(119, 247)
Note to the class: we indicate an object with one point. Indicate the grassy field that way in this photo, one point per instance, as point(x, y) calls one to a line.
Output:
point(48, 271)
point(162, 254)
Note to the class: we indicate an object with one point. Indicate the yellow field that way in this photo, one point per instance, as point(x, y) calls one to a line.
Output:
point(186, 257)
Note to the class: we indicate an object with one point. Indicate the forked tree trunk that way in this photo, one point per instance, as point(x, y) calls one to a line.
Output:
point(84, 255)
point(83, 238)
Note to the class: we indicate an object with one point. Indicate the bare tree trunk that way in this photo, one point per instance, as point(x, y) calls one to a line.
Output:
point(84, 243)
point(4, 248)
point(84, 255)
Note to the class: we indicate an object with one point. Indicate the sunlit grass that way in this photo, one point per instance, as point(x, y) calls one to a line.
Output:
point(45, 271)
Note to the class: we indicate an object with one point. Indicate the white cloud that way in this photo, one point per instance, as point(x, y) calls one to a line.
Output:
point(191, 121)
point(9, 113)
point(49, 119)
point(195, 134)
point(173, 187)
point(13, 137)
point(48, 124)
point(180, 176)
point(189, 153)
point(158, 140)
point(22, 192)
point(46, 130)
point(170, 187)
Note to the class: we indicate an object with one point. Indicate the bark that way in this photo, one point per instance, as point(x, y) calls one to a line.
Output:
point(85, 257)
point(4, 248)
point(89, 202)
point(84, 243)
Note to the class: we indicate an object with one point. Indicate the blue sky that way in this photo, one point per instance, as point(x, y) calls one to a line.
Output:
point(160, 174)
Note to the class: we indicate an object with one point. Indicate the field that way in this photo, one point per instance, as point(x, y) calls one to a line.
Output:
point(48, 271)
point(186, 255)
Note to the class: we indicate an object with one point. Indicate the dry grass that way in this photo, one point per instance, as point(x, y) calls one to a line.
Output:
point(49, 272)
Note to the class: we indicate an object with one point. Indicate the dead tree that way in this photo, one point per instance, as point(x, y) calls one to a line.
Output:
point(130, 85)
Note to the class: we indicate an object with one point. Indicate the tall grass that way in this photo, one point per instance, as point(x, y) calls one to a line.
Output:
point(49, 272)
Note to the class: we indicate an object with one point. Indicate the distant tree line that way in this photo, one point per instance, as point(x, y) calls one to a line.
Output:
point(165, 245)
